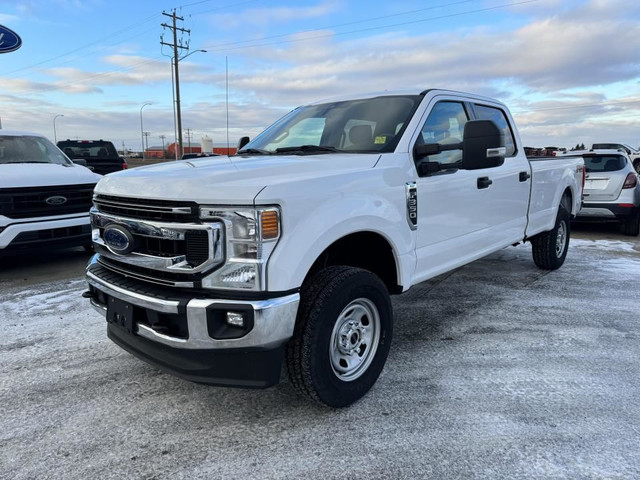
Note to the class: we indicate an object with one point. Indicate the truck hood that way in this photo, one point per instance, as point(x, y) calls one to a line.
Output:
point(227, 180)
point(44, 174)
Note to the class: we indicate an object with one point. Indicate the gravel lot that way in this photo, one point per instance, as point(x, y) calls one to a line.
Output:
point(497, 370)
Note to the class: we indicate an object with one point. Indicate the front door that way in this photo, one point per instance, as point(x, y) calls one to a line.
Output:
point(464, 214)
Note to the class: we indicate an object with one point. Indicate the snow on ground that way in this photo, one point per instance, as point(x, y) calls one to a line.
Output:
point(497, 370)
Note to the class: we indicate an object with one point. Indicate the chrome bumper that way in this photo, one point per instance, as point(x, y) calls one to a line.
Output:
point(274, 319)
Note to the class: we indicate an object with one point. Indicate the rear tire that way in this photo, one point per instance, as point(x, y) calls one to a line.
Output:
point(550, 248)
point(632, 226)
point(342, 336)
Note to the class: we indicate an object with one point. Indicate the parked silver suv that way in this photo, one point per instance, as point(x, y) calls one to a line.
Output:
point(612, 190)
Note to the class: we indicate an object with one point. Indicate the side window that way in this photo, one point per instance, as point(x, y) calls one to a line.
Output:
point(445, 126)
point(490, 113)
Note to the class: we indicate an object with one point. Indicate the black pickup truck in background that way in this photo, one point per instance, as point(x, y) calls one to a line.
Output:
point(101, 156)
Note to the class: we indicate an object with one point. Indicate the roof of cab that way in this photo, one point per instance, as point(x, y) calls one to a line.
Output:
point(386, 93)
point(19, 133)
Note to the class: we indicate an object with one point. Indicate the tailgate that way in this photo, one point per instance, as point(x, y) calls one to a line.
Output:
point(605, 177)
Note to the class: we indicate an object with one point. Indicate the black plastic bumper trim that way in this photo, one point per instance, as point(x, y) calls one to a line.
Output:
point(244, 368)
point(621, 213)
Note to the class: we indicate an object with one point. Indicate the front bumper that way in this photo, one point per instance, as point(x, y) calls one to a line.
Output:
point(175, 333)
point(606, 212)
point(24, 235)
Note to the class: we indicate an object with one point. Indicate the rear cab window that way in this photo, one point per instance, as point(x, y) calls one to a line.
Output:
point(88, 149)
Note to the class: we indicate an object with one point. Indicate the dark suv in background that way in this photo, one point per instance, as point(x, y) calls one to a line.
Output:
point(101, 156)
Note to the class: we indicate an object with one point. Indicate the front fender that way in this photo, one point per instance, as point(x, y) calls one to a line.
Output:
point(309, 227)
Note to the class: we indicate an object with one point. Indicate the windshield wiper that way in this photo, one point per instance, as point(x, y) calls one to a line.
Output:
point(254, 151)
point(307, 149)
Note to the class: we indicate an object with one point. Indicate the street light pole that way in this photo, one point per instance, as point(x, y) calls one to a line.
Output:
point(142, 129)
point(55, 137)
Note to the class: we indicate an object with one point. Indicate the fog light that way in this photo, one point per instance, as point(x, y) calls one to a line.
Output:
point(235, 319)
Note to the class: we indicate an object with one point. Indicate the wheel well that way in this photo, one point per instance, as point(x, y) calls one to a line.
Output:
point(366, 250)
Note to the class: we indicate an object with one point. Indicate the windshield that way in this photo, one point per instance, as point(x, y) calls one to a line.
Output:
point(604, 163)
point(30, 149)
point(355, 126)
point(89, 149)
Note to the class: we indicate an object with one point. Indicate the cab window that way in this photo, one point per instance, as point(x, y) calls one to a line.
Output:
point(484, 112)
point(444, 126)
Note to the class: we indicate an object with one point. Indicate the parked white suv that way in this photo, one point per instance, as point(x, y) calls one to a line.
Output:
point(612, 190)
point(633, 153)
point(44, 197)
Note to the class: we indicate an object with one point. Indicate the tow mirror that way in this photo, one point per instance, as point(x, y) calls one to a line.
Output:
point(242, 142)
point(482, 145)
point(422, 151)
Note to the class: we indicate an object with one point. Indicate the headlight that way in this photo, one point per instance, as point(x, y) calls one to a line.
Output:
point(251, 236)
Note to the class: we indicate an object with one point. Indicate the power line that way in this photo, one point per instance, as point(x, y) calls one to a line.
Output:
point(295, 40)
point(332, 34)
point(366, 20)
point(125, 29)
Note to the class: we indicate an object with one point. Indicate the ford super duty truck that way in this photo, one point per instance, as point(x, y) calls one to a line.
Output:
point(221, 270)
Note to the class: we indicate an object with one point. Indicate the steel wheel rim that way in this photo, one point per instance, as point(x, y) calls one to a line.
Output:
point(561, 239)
point(354, 339)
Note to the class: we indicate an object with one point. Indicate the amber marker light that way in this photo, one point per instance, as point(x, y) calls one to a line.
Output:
point(269, 224)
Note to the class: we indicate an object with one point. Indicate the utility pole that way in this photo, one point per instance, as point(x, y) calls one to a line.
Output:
point(189, 139)
point(163, 137)
point(123, 152)
point(177, 46)
point(146, 140)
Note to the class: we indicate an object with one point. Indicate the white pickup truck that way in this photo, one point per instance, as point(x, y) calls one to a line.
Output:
point(219, 270)
point(44, 197)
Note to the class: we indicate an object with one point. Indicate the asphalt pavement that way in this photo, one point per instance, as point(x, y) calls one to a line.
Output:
point(497, 370)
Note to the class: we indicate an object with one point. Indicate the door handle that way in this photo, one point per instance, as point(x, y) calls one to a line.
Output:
point(484, 182)
point(524, 176)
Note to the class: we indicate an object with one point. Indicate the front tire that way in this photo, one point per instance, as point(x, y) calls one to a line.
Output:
point(342, 336)
point(550, 248)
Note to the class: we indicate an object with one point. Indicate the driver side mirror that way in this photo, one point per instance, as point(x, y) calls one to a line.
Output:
point(242, 142)
point(482, 145)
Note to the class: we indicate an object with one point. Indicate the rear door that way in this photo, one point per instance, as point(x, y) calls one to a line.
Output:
point(605, 176)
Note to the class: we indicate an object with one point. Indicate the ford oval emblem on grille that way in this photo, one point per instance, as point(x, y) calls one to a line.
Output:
point(56, 200)
point(118, 239)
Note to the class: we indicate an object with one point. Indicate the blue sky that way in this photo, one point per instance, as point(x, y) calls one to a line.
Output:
point(569, 70)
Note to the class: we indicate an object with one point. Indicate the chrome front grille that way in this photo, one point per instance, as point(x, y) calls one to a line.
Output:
point(168, 253)
point(146, 209)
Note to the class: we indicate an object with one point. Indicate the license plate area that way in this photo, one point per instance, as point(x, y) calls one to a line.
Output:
point(120, 314)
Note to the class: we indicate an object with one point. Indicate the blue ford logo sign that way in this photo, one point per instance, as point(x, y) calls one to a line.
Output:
point(118, 239)
point(9, 40)
point(56, 200)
